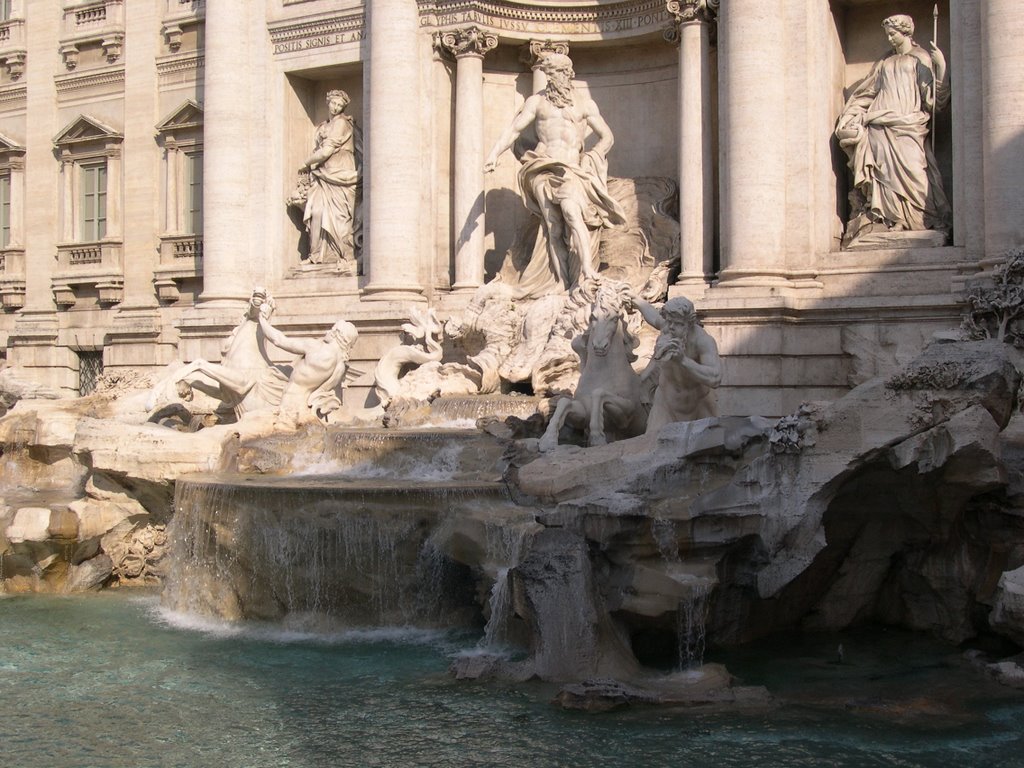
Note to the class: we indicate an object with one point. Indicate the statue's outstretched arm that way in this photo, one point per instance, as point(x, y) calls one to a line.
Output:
point(278, 339)
point(523, 119)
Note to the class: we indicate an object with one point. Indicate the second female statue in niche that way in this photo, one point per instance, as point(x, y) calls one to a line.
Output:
point(329, 188)
point(884, 129)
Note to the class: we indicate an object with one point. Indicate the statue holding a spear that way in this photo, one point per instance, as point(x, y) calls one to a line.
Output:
point(884, 130)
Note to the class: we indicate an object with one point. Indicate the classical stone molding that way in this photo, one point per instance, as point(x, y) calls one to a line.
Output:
point(13, 94)
point(467, 41)
point(86, 130)
point(321, 31)
point(179, 67)
point(106, 79)
point(571, 20)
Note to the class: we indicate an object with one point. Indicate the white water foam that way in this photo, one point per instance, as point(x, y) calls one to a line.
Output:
point(290, 634)
point(442, 465)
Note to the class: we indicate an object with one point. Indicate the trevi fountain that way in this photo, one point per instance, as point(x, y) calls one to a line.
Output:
point(546, 516)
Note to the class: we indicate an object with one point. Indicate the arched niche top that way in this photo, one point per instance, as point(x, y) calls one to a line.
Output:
point(524, 20)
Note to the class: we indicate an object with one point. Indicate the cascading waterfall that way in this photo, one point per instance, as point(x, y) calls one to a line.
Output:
point(505, 544)
point(691, 621)
point(500, 610)
point(356, 553)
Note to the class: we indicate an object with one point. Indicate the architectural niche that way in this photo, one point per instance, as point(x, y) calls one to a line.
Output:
point(89, 251)
point(180, 135)
point(12, 245)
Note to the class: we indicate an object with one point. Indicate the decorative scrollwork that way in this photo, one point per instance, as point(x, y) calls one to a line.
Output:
point(469, 41)
point(693, 10)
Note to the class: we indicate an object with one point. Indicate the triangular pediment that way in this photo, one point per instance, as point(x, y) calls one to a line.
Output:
point(9, 145)
point(188, 115)
point(84, 129)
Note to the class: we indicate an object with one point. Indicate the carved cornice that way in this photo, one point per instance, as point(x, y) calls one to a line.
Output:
point(523, 20)
point(313, 32)
point(13, 94)
point(107, 79)
point(467, 41)
point(177, 64)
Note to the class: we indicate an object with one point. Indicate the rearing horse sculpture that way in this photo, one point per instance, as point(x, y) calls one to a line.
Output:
point(607, 396)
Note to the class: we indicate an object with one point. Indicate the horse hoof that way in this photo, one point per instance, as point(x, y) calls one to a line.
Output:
point(544, 445)
point(598, 440)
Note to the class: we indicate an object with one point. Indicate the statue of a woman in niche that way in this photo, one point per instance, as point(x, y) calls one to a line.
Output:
point(883, 128)
point(331, 213)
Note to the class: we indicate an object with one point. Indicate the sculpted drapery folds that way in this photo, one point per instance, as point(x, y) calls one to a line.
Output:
point(561, 183)
point(330, 213)
point(883, 129)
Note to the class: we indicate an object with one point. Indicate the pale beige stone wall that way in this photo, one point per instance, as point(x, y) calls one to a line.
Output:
point(791, 311)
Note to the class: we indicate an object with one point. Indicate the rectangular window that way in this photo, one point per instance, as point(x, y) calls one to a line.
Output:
point(194, 193)
point(90, 368)
point(93, 221)
point(5, 210)
point(5, 10)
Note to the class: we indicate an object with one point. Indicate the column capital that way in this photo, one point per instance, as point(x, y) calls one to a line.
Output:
point(467, 41)
point(689, 12)
point(535, 50)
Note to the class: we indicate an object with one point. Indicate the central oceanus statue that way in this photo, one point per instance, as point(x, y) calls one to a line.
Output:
point(608, 395)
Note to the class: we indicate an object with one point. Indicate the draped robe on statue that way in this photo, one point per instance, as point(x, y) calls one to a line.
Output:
point(334, 187)
point(542, 178)
point(894, 170)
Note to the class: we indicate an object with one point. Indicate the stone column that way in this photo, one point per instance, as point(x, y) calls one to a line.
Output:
point(393, 138)
point(695, 162)
point(535, 51)
point(1002, 140)
point(752, 110)
point(469, 46)
point(228, 119)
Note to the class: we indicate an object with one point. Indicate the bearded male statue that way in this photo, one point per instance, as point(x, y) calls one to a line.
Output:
point(562, 183)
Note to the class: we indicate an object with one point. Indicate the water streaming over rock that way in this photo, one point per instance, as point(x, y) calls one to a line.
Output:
point(505, 545)
point(358, 553)
point(691, 621)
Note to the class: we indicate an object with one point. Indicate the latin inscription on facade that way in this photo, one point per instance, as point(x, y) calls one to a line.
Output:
point(318, 41)
point(655, 19)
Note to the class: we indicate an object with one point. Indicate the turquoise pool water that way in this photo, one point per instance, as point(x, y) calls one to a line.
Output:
point(109, 680)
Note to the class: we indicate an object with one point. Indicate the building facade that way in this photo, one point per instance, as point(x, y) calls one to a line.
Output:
point(148, 150)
